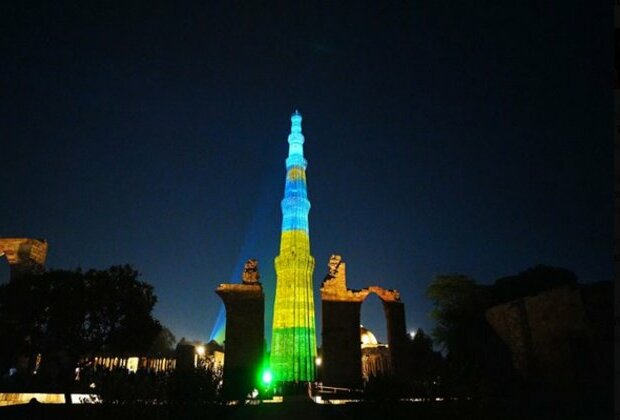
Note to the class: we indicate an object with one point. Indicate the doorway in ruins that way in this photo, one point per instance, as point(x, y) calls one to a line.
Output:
point(375, 356)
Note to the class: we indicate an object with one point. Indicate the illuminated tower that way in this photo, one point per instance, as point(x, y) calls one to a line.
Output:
point(293, 343)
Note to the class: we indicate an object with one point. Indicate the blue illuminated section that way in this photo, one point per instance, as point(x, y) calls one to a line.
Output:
point(295, 215)
point(295, 205)
point(296, 143)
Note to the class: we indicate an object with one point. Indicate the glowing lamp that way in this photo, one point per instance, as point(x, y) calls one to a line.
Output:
point(200, 351)
point(267, 378)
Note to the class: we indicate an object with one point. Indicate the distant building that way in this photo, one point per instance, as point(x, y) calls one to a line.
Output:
point(131, 362)
point(188, 354)
point(375, 356)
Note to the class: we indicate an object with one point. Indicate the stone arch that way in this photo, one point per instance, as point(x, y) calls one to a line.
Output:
point(341, 352)
point(24, 255)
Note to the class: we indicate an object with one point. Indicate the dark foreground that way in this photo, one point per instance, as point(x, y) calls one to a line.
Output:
point(307, 410)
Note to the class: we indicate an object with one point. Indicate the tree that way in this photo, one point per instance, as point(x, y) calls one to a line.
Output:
point(164, 342)
point(22, 319)
point(458, 304)
point(478, 361)
point(196, 387)
point(426, 366)
point(65, 315)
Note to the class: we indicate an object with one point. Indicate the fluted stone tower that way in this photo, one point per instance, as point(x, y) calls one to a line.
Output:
point(293, 343)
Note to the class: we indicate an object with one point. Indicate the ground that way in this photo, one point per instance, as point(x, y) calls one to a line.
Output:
point(304, 410)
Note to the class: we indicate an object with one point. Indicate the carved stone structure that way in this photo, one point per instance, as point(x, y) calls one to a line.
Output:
point(245, 332)
point(24, 255)
point(341, 360)
point(250, 272)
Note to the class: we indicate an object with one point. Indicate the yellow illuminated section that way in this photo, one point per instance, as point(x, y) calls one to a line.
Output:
point(296, 174)
point(295, 239)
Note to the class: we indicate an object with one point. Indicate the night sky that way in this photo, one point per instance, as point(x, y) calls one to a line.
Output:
point(441, 137)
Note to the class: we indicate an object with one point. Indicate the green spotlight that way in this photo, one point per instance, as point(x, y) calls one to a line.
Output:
point(267, 377)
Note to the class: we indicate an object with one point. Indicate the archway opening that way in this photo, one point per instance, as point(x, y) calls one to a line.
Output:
point(373, 339)
point(372, 317)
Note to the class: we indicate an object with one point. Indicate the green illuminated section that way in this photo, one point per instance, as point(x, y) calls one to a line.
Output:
point(293, 343)
point(296, 360)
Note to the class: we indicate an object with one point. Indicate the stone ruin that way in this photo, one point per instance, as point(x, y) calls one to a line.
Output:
point(341, 356)
point(24, 255)
point(245, 332)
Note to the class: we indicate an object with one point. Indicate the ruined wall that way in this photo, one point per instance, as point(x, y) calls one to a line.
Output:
point(397, 336)
point(510, 322)
point(341, 351)
point(342, 365)
point(245, 336)
point(24, 255)
point(555, 338)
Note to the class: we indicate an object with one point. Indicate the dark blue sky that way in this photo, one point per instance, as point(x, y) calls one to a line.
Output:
point(441, 137)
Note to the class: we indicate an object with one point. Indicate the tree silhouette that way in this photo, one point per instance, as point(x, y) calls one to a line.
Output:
point(164, 342)
point(426, 366)
point(65, 315)
point(478, 363)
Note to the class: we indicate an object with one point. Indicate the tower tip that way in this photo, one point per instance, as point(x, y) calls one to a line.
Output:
point(296, 122)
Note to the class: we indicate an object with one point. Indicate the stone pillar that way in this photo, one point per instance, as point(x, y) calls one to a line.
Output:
point(185, 354)
point(397, 337)
point(342, 354)
point(244, 345)
point(342, 357)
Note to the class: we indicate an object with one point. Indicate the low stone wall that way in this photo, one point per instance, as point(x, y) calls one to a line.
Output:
point(43, 398)
point(24, 398)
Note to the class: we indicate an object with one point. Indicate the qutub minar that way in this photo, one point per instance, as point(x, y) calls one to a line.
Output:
point(293, 343)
